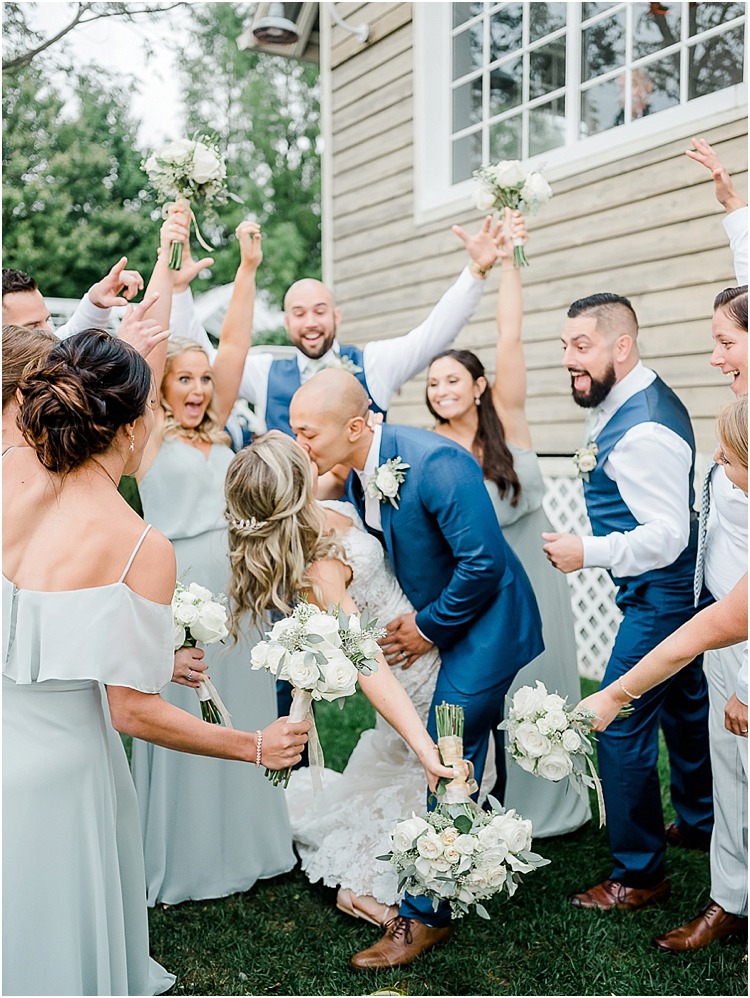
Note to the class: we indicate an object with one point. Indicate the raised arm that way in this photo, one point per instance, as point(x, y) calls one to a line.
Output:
point(509, 389)
point(726, 193)
point(118, 287)
point(388, 697)
point(719, 625)
point(237, 328)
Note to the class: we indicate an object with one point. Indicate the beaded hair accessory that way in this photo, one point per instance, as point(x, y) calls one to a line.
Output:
point(252, 525)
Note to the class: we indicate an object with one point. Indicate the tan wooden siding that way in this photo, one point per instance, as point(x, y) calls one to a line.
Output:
point(645, 225)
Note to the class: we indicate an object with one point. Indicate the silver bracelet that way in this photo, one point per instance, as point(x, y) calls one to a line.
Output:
point(259, 738)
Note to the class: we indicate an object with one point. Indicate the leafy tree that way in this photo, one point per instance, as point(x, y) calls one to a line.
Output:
point(74, 198)
point(265, 112)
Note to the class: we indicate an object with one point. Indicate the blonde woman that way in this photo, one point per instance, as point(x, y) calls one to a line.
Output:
point(209, 828)
point(285, 545)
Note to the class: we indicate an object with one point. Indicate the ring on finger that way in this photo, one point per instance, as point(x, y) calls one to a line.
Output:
point(189, 676)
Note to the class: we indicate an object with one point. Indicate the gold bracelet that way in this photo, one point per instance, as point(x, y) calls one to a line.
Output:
point(479, 271)
point(630, 696)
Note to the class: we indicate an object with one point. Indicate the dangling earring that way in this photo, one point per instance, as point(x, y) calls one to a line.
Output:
point(477, 400)
point(132, 442)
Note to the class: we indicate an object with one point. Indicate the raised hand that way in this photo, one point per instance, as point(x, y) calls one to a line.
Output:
point(190, 268)
point(175, 229)
point(726, 192)
point(142, 333)
point(251, 251)
point(118, 288)
point(482, 247)
point(513, 229)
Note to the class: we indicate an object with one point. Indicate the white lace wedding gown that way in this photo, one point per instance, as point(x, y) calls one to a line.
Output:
point(340, 831)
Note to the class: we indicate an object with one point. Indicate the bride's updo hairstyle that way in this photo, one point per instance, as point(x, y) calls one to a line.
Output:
point(89, 386)
point(276, 528)
point(23, 351)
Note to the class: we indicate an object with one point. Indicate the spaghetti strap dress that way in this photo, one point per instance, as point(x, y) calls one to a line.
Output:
point(238, 818)
point(74, 905)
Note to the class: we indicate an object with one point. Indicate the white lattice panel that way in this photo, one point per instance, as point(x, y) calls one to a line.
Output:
point(591, 591)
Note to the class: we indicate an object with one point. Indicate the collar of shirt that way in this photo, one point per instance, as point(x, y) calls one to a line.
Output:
point(311, 365)
point(633, 382)
point(373, 456)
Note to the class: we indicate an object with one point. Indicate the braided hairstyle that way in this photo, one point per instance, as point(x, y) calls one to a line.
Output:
point(89, 386)
point(489, 443)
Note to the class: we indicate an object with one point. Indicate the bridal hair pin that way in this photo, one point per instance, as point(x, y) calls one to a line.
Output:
point(252, 524)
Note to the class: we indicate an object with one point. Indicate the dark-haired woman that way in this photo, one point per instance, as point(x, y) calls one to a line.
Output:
point(86, 608)
point(238, 821)
point(490, 421)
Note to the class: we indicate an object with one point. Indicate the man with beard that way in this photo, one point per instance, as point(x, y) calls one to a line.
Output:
point(312, 320)
point(638, 464)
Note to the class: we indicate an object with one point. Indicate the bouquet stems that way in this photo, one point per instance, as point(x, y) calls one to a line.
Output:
point(175, 249)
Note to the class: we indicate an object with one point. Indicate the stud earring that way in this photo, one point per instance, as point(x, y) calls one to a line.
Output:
point(477, 400)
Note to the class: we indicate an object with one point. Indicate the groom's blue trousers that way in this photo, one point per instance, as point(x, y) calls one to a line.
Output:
point(628, 750)
point(482, 713)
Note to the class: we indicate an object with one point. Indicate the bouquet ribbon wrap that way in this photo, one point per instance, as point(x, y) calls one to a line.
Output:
point(460, 788)
point(207, 691)
point(302, 710)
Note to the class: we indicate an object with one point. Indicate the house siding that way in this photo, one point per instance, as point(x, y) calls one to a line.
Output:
point(645, 225)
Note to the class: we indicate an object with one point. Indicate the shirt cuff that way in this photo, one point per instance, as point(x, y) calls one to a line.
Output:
point(735, 223)
point(92, 315)
point(596, 553)
point(469, 283)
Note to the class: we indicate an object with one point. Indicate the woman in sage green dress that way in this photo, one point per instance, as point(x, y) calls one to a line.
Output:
point(490, 421)
point(87, 645)
point(209, 828)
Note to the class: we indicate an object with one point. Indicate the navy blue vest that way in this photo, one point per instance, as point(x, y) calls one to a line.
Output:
point(284, 380)
point(606, 508)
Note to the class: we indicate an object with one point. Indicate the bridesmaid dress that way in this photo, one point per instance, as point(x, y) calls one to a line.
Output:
point(210, 827)
point(74, 907)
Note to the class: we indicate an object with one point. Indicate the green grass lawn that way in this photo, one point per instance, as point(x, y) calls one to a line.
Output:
point(285, 936)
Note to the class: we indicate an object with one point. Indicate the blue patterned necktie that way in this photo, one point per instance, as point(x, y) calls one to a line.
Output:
point(702, 530)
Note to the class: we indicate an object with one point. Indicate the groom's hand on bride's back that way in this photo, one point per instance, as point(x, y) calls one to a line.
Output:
point(283, 742)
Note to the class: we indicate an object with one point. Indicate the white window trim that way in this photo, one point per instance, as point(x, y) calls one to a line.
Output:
point(434, 195)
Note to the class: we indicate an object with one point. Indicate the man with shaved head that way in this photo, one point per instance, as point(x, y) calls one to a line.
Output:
point(472, 597)
point(313, 319)
point(637, 464)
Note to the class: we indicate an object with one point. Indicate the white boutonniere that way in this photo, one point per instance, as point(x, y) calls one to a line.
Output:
point(386, 481)
point(344, 363)
point(585, 460)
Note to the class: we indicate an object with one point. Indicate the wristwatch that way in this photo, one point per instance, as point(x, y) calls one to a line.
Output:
point(479, 271)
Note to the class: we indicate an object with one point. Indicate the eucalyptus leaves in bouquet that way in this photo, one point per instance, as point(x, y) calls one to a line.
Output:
point(185, 172)
point(508, 185)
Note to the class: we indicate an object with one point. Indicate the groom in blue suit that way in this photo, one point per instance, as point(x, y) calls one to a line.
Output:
point(472, 597)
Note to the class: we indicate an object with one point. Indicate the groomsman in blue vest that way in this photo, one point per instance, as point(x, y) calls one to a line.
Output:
point(472, 598)
point(312, 320)
point(637, 466)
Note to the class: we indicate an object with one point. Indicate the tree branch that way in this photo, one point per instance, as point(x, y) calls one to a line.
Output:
point(25, 58)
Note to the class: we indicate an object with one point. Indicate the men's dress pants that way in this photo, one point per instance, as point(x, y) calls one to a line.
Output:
point(482, 713)
point(729, 764)
point(628, 750)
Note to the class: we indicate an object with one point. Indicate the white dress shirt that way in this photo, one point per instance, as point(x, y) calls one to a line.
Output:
point(86, 316)
point(372, 506)
point(651, 465)
point(735, 225)
point(387, 364)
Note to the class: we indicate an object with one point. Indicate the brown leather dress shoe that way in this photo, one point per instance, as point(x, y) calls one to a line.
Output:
point(612, 894)
point(405, 939)
point(712, 923)
point(686, 840)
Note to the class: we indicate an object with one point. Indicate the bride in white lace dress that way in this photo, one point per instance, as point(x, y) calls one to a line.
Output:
point(284, 546)
point(339, 832)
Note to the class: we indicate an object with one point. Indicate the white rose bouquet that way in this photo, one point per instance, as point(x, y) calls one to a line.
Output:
point(184, 171)
point(548, 738)
point(199, 615)
point(320, 654)
point(459, 853)
point(508, 185)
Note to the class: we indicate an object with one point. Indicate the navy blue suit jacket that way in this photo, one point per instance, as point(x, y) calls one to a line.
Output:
point(472, 596)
